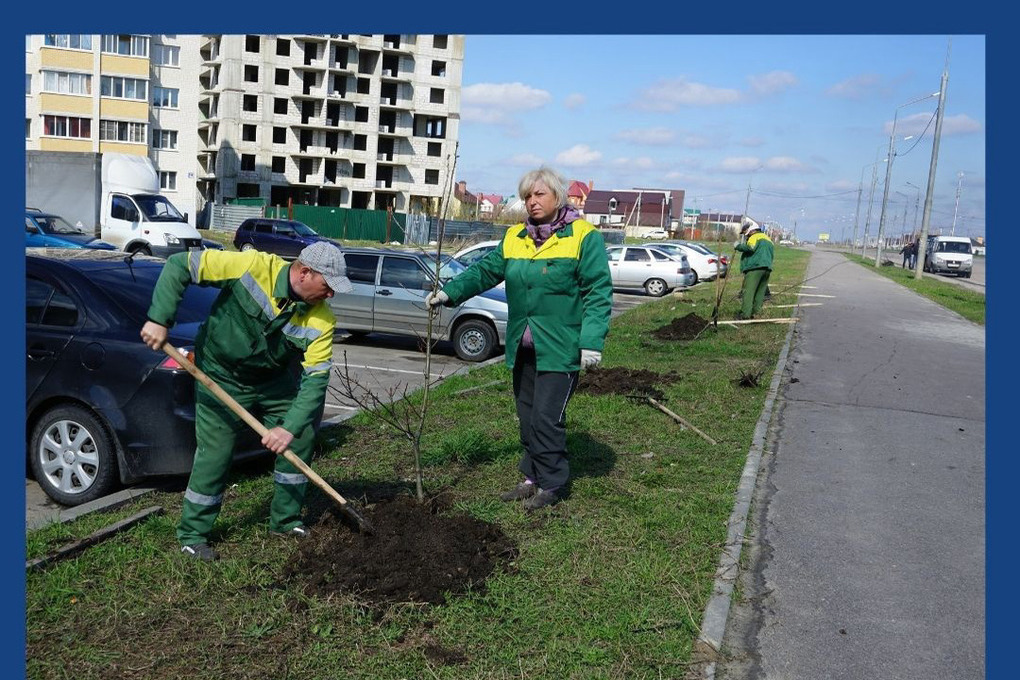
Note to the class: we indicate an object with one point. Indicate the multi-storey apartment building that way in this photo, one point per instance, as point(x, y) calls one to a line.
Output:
point(360, 121)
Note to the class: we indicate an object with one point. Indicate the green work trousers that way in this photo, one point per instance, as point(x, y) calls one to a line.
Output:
point(217, 429)
point(756, 282)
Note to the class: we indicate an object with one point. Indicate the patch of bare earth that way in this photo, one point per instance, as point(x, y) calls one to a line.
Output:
point(681, 328)
point(625, 381)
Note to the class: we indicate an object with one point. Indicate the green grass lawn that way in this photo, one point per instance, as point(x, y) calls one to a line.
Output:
point(968, 304)
point(610, 583)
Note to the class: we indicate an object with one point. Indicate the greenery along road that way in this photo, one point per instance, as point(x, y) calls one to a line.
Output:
point(610, 583)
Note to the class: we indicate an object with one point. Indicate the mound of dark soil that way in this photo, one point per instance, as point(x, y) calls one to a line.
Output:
point(624, 381)
point(682, 328)
point(416, 554)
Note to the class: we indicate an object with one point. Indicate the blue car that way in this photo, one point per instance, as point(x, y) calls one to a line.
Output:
point(286, 238)
point(52, 231)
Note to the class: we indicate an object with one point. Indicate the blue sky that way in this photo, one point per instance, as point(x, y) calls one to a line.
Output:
point(701, 112)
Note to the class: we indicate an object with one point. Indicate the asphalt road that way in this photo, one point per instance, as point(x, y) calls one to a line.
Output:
point(867, 555)
point(386, 365)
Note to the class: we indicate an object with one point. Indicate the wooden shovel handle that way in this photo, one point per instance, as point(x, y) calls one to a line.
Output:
point(247, 417)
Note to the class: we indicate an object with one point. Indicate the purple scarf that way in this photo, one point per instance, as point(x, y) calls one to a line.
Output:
point(540, 233)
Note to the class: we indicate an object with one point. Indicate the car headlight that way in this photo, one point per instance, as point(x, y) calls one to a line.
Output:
point(171, 239)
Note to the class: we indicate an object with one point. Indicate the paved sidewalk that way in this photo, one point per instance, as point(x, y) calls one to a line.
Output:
point(866, 541)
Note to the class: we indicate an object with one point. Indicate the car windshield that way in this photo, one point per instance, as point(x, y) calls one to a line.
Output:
point(54, 224)
point(954, 247)
point(449, 268)
point(157, 208)
point(132, 290)
point(302, 229)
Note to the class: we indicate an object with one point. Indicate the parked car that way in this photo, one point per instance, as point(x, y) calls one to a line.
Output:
point(949, 255)
point(656, 234)
point(468, 256)
point(102, 408)
point(648, 268)
point(286, 238)
point(389, 293)
point(46, 230)
point(704, 262)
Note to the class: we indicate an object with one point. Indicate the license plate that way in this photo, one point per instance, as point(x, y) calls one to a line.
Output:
point(954, 264)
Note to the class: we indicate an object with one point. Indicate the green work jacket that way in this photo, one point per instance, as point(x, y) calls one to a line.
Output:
point(756, 253)
point(255, 331)
point(563, 290)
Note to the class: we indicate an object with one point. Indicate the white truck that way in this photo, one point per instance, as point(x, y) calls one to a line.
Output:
point(114, 194)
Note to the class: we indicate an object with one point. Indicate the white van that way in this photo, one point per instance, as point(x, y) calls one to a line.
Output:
point(949, 255)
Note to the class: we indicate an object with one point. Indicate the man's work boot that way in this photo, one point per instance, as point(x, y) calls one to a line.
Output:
point(299, 532)
point(200, 551)
point(520, 492)
point(541, 499)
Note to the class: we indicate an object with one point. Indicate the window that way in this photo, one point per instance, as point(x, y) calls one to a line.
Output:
point(28, 128)
point(74, 42)
point(168, 181)
point(435, 149)
point(67, 126)
point(124, 88)
point(438, 68)
point(60, 310)
point(28, 83)
point(614, 254)
point(129, 45)
point(364, 86)
point(251, 43)
point(248, 133)
point(251, 73)
point(402, 272)
point(283, 47)
point(250, 102)
point(121, 131)
point(248, 162)
point(431, 177)
point(280, 105)
point(282, 76)
point(636, 255)
point(263, 228)
point(165, 97)
point(436, 95)
point(279, 164)
point(66, 83)
point(358, 171)
point(361, 268)
point(166, 55)
point(661, 257)
point(164, 139)
point(123, 208)
point(279, 135)
point(360, 142)
point(360, 114)
point(439, 42)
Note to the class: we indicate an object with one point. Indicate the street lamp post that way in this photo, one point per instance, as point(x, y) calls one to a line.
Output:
point(871, 200)
point(956, 210)
point(917, 201)
point(888, 170)
point(929, 193)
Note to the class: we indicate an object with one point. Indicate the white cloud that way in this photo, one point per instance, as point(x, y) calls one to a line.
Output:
point(740, 164)
point(951, 125)
point(648, 136)
point(857, 87)
point(578, 155)
point(574, 100)
point(772, 82)
point(498, 103)
point(670, 95)
point(786, 164)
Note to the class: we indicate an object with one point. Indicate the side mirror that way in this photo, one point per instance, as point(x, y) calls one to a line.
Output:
point(185, 217)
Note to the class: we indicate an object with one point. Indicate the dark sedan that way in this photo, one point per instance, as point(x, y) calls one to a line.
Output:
point(102, 408)
point(286, 238)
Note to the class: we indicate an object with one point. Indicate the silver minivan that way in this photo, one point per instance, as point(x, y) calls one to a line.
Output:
point(650, 269)
point(389, 297)
point(949, 255)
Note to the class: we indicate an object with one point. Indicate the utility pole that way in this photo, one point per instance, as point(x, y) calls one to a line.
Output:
point(926, 216)
point(871, 199)
point(956, 210)
point(857, 213)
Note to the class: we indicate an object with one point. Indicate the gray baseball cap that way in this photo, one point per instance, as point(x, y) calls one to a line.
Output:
point(327, 259)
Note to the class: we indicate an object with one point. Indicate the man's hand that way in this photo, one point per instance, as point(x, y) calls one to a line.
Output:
point(436, 299)
point(153, 335)
point(277, 440)
point(590, 358)
point(736, 243)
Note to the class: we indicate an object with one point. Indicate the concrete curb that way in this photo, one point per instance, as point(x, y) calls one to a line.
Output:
point(114, 500)
point(713, 621)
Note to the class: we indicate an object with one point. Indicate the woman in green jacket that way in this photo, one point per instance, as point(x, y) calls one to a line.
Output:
point(559, 294)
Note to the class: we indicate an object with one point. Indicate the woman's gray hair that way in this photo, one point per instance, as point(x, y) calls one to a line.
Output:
point(547, 176)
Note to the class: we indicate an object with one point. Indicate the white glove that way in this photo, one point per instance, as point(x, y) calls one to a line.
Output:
point(736, 243)
point(436, 299)
point(590, 358)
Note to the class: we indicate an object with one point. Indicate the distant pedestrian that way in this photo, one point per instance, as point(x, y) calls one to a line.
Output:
point(913, 252)
point(905, 252)
point(756, 265)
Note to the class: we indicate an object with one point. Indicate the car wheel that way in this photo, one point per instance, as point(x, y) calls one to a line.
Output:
point(73, 456)
point(141, 250)
point(656, 287)
point(695, 281)
point(474, 340)
point(247, 246)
